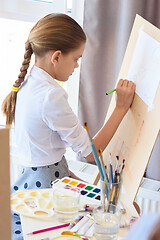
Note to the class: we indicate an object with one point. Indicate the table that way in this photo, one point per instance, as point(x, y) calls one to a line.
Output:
point(32, 224)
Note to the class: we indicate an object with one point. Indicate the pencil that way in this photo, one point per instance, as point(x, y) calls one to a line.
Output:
point(111, 91)
point(49, 229)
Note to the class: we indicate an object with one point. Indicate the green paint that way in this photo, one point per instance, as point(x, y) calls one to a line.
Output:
point(89, 188)
point(91, 195)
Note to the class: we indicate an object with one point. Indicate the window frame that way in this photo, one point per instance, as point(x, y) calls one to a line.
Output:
point(30, 10)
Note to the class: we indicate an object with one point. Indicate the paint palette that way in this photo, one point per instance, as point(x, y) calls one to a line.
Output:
point(89, 193)
point(33, 203)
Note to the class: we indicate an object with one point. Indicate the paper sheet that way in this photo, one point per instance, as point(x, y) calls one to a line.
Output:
point(145, 67)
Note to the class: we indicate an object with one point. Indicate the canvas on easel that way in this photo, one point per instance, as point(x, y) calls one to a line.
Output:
point(135, 138)
point(5, 219)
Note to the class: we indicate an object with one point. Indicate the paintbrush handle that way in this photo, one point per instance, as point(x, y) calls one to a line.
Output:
point(111, 196)
point(95, 154)
point(111, 173)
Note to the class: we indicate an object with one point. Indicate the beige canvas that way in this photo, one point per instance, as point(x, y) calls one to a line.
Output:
point(136, 135)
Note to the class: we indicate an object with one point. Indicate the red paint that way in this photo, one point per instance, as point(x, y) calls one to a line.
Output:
point(75, 189)
point(81, 185)
point(67, 187)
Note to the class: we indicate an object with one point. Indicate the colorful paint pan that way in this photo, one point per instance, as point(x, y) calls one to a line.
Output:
point(91, 195)
point(73, 183)
point(89, 188)
point(96, 190)
point(98, 197)
point(83, 192)
point(68, 187)
point(75, 189)
point(66, 180)
point(81, 185)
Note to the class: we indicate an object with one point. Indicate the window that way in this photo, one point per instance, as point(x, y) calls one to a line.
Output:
point(16, 19)
point(12, 41)
point(30, 10)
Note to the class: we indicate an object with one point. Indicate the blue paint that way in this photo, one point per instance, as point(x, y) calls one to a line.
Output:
point(96, 190)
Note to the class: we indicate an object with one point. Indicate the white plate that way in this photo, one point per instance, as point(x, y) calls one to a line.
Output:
point(33, 203)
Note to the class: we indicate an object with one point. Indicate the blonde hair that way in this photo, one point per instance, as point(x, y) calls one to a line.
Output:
point(52, 32)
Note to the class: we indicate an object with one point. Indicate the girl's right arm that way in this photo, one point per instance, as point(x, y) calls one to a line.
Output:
point(125, 93)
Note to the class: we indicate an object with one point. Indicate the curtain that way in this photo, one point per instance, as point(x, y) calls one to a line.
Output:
point(108, 24)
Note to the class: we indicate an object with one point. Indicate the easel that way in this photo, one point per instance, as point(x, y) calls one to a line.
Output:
point(137, 134)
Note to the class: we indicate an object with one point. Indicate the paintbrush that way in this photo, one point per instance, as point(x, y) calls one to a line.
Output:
point(117, 163)
point(103, 166)
point(111, 169)
point(106, 179)
point(94, 151)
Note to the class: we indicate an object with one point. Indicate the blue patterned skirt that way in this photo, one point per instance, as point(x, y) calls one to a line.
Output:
point(36, 178)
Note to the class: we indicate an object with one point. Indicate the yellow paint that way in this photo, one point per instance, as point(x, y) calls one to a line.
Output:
point(73, 183)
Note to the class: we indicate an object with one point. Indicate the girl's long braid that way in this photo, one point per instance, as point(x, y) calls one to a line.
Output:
point(9, 103)
point(25, 65)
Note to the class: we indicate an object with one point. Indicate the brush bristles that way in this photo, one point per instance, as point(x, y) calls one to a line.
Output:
point(86, 126)
point(100, 152)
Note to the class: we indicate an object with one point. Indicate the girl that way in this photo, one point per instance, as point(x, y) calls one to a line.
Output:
point(44, 122)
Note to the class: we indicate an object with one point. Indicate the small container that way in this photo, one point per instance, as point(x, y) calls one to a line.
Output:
point(66, 203)
point(107, 222)
point(110, 192)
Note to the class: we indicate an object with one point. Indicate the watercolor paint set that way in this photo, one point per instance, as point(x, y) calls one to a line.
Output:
point(39, 203)
point(89, 193)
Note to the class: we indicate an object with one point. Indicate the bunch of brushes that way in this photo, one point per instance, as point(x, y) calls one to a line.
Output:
point(112, 181)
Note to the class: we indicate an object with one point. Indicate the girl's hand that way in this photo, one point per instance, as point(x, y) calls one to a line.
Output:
point(125, 93)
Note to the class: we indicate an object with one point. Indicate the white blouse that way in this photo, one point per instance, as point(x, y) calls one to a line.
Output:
point(45, 123)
